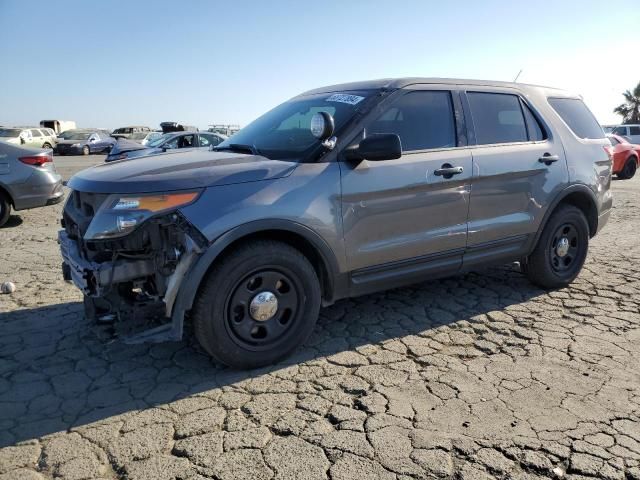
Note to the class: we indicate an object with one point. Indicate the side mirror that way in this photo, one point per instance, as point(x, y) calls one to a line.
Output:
point(376, 147)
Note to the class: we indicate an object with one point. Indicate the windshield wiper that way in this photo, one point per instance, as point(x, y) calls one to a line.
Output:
point(238, 147)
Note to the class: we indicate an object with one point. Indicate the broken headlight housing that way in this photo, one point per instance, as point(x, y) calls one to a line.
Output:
point(121, 214)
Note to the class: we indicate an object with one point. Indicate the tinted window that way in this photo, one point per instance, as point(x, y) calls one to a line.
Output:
point(497, 118)
point(634, 130)
point(578, 117)
point(536, 133)
point(423, 120)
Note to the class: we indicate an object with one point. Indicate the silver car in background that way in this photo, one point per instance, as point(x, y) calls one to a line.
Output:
point(28, 179)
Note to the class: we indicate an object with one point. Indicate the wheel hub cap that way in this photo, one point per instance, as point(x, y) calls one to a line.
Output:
point(563, 247)
point(263, 306)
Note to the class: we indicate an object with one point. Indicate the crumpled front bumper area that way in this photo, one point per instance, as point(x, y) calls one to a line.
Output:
point(97, 279)
point(131, 282)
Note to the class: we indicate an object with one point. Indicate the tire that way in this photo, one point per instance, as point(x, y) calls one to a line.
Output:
point(226, 306)
point(629, 169)
point(46, 145)
point(86, 150)
point(5, 209)
point(561, 250)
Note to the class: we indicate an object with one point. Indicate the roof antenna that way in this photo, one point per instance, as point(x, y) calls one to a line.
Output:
point(516, 79)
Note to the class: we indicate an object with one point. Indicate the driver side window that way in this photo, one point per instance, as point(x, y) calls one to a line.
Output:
point(422, 119)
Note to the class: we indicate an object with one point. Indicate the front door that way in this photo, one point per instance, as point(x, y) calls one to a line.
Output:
point(409, 215)
point(518, 167)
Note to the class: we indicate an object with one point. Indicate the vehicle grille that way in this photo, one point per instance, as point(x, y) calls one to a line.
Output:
point(63, 148)
point(80, 210)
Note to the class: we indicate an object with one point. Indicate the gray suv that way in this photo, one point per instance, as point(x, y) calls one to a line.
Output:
point(338, 192)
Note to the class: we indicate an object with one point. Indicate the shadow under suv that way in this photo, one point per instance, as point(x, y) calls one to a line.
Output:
point(338, 192)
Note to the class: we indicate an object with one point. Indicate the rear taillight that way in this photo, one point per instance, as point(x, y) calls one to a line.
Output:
point(609, 151)
point(37, 160)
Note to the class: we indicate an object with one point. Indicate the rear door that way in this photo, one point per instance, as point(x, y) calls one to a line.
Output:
point(518, 168)
point(400, 217)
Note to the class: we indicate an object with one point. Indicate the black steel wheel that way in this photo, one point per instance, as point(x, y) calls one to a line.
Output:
point(258, 303)
point(561, 249)
point(263, 307)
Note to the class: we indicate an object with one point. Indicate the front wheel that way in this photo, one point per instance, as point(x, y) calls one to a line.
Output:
point(561, 250)
point(257, 305)
point(85, 150)
point(46, 145)
point(629, 169)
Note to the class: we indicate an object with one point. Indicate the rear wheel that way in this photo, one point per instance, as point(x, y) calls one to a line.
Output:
point(629, 169)
point(561, 250)
point(5, 209)
point(257, 305)
point(85, 150)
point(46, 145)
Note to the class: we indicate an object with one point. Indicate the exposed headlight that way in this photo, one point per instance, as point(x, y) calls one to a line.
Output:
point(122, 214)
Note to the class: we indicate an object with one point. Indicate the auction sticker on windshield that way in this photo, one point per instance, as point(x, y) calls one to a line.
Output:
point(344, 98)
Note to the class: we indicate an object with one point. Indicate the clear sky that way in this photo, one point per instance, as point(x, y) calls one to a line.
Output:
point(114, 63)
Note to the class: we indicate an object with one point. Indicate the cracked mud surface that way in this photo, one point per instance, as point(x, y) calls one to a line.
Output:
point(477, 376)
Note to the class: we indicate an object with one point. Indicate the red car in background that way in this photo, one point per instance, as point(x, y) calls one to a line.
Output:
point(625, 157)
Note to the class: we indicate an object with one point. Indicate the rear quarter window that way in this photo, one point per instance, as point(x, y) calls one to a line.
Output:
point(577, 117)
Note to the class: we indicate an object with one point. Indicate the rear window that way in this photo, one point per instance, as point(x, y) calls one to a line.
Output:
point(577, 117)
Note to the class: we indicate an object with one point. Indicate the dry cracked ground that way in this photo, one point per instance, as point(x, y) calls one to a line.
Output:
point(478, 376)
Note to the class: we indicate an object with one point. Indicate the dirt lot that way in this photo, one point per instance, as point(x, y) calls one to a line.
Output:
point(478, 376)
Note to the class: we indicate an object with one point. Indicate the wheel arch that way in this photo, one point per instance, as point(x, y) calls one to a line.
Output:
point(581, 197)
point(307, 241)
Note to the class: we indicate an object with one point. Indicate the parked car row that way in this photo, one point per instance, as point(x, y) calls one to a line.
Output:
point(127, 149)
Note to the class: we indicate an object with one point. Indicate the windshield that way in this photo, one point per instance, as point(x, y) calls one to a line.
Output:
point(75, 135)
point(158, 141)
point(9, 132)
point(284, 132)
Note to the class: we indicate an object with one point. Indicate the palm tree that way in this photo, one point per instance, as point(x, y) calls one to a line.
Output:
point(630, 110)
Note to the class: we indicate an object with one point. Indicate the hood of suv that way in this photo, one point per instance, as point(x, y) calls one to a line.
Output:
point(175, 170)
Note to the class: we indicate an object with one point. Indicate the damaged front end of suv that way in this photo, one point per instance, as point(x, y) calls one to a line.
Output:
point(128, 255)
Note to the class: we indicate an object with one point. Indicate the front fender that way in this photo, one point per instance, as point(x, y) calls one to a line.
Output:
point(193, 278)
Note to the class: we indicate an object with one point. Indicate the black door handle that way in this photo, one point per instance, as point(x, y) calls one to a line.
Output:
point(548, 159)
point(447, 171)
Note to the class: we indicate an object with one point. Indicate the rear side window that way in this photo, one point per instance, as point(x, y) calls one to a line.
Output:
point(497, 118)
point(634, 130)
point(36, 133)
point(578, 117)
point(423, 120)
